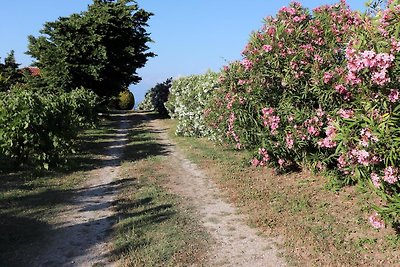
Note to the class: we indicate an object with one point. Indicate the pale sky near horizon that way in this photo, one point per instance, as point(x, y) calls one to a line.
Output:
point(190, 37)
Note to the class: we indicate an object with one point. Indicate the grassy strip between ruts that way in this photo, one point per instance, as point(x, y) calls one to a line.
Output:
point(154, 227)
point(30, 199)
point(321, 227)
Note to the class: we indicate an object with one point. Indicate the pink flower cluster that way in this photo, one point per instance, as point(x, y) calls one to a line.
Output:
point(289, 141)
point(390, 175)
point(247, 64)
point(357, 156)
point(267, 48)
point(328, 141)
point(362, 156)
point(270, 120)
point(288, 10)
point(376, 221)
point(231, 131)
point(327, 77)
point(377, 64)
point(264, 158)
point(394, 95)
point(341, 89)
point(375, 179)
point(386, 17)
point(313, 125)
point(346, 113)
point(367, 137)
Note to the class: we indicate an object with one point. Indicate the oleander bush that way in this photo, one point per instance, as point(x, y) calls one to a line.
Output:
point(187, 103)
point(39, 127)
point(316, 89)
point(147, 103)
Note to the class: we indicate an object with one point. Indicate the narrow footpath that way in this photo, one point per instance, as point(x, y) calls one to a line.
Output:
point(82, 229)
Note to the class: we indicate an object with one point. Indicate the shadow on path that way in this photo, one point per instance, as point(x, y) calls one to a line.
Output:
point(120, 137)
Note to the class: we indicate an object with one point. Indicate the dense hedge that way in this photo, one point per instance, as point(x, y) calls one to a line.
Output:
point(318, 89)
point(38, 127)
point(187, 102)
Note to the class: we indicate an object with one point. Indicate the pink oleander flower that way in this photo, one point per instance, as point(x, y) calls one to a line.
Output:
point(342, 161)
point(375, 179)
point(366, 137)
point(341, 89)
point(255, 162)
point(320, 112)
point(353, 79)
point(271, 31)
point(267, 48)
point(290, 118)
point(327, 77)
point(376, 222)
point(289, 10)
point(312, 131)
point(363, 157)
point(246, 49)
point(265, 157)
point(247, 64)
point(328, 141)
point(318, 58)
point(346, 113)
point(267, 111)
point(380, 77)
point(395, 46)
point(281, 162)
point(394, 95)
point(289, 141)
point(368, 58)
point(297, 19)
point(390, 175)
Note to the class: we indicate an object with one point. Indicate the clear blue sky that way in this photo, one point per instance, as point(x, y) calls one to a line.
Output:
point(191, 36)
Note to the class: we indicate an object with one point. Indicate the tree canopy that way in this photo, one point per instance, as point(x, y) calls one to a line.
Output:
point(99, 49)
point(9, 72)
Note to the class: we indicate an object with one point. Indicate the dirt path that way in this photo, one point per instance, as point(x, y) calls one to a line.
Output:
point(236, 243)
point(81, 232)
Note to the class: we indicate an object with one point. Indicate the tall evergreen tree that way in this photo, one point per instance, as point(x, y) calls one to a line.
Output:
point(9, 72)
point(99, 49)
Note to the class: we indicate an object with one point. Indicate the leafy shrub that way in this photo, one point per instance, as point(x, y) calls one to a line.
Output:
point(278, 98)
point(320, 90)
point(187, 102)
point(367, 131)
point(156, 97)
point(40, 128)
point(147, 103)
point(126, 100)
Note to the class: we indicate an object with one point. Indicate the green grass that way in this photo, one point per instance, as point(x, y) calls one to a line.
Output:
point(320, 226)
